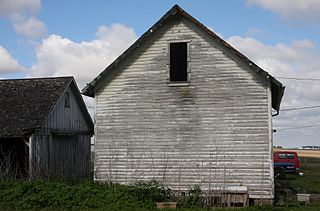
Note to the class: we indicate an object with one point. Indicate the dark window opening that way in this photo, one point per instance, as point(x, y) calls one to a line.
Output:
point(290, 156)
point(14, 158)
point(178, 62)
point(67, 100)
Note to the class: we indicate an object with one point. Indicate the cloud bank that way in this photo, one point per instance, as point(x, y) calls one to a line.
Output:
point(7, 63)
point(307, 10)
point(58, 56)
point(23, 16)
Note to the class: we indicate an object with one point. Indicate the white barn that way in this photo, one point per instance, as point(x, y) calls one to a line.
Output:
point(183, 107)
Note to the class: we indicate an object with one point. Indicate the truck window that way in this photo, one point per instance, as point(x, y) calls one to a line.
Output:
point(290, 156)
point(282, 156)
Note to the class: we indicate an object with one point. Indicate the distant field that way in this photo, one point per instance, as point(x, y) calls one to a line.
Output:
point(303, 152)
point(311, 174)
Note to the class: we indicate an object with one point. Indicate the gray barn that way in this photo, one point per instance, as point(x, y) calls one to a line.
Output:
point(183, 107)
point(45, 129)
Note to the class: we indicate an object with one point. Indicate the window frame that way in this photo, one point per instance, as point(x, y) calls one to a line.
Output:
point(179, 83)
point(282, 156)
point(67, 99)
point(290, 156)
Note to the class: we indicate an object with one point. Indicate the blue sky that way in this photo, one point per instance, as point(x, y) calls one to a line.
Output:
point(80, 38)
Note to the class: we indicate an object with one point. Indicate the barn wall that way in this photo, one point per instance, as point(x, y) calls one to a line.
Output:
point(215, 132)
point(61, 154)
point(39, 156)
point(69, 156)
point(65, 157)
point(66, 118)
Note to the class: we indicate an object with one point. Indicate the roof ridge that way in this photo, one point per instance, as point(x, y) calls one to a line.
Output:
point(35, 78)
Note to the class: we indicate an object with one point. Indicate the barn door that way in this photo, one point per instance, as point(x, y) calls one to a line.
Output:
point(65, 162)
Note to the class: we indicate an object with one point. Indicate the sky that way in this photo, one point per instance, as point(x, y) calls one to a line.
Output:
point(82, 37)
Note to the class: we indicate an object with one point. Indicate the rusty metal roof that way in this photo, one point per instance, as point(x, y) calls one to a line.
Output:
point(277, 88)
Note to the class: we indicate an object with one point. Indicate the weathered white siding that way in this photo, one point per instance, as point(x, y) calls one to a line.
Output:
point(215, 132)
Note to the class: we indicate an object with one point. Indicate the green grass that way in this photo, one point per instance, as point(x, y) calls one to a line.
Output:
point(84, 195)
point(310, 181)
point(287, 188)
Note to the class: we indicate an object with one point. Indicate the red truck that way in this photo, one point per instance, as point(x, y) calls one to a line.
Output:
point(287, 161)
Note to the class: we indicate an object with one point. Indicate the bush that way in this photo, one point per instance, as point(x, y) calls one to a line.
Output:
point(82, 195)
point(61, 195)
point(151, 192)
point(194, 198)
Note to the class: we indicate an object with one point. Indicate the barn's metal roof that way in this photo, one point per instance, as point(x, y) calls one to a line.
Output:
point(26, 103)
point(277, 88)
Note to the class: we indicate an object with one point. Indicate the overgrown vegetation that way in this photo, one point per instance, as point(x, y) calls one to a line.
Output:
point(288, 185)
point(62, 195)
point(151, 192)
point(83, 195)
point(22, 195)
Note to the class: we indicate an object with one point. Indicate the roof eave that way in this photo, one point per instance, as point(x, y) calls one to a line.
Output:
point(277, 91)
point(88, 90)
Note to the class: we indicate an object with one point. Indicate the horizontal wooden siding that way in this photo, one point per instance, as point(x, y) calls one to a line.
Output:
point(213, 132)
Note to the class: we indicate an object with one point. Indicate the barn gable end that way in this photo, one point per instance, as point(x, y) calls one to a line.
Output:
point(213, 129)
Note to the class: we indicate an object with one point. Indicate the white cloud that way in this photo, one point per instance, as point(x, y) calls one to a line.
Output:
point(58, 56)
point(292, 9)
point(252, 32)
point(32, 27)
point(299, 59)
point(8, 63)
point(22, 14)
point(280, 59)
point(14, 8)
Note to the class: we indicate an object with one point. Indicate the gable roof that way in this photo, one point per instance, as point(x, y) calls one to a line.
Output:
point(26, 103)
point(277, 89)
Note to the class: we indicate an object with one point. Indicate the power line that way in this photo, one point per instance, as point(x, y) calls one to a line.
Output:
point(300, 108)
point(299, 79)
